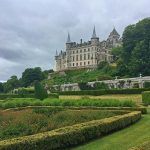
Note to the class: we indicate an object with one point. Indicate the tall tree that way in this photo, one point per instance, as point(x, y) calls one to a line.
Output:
point(30, 75)
point(136, 49)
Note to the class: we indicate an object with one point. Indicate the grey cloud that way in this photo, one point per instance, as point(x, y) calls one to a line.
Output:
point(32, 30)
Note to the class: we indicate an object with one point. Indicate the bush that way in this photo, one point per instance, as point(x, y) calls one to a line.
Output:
point(146, 98)
point(147, 85)
point(40, 92)
point(105, 92)
point(71, 135)
point(100, 85)
point(7, 96)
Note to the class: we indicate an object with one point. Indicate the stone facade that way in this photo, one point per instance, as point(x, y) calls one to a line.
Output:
point(87, 54)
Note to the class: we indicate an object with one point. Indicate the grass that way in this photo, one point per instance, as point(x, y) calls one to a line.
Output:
point(79, 75)
point(137, 98)
point(124, 139)
point(22, 102)
point(15, 123)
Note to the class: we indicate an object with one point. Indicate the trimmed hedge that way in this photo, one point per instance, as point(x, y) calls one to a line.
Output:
point(143, 146)
point(5, 96)
point(127, 109)
point(104, 92)
point(71, 135)
point(146, 98)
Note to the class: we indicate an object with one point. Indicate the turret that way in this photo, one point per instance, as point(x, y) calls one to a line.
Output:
point(68, 43)
point(94, 39)
point(114, 36)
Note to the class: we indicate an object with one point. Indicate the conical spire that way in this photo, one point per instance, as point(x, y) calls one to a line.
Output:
point(94, 33)
point(114, 32)
point(68, 38)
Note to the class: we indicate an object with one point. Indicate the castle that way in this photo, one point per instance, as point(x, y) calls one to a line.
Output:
point(87, 54)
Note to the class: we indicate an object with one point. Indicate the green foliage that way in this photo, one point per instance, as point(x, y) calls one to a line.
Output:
point(9, 96)
point(72, 135)
point(116, 52)
point(146, 84)
point(136, 50)
point(21, 102)
point(40, 92)
point(100, 85)
point(11, 84)
point(1, 88)
point(30, 75)
point(25, 121)
point(105, 92)
point(146, 98)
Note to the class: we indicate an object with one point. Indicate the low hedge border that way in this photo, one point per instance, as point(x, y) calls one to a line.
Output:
point(71, 135)
point(128, 109)
point(105, 92)
point(7, 96)
point(143, 146)
point(146, 98)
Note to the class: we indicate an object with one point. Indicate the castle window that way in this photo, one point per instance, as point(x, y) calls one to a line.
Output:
point(80, 50)
point(73, 52)
point(73, 64)
point(84, 56)
point(88, 62)
point(80, 57)
point(80, 63)
point(84, 50)
point(88, 49)
point(88, 56)
point(76, 57)
point(77, 51)
point(84, 63)
point(73, 58)
point(76, 64)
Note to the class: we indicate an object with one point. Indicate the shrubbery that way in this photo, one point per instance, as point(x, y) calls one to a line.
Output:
point(105, 92)
point(146, 98)
point(72, 135)
point(40, 92)
point(13, 103)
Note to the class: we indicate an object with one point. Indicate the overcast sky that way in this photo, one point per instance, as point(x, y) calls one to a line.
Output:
point(32, 30)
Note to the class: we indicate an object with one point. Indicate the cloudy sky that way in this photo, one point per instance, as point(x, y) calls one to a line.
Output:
point(32, 30)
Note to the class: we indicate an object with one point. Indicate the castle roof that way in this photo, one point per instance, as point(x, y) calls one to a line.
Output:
point(114, 32)
point(68, 38)
point(94, 33)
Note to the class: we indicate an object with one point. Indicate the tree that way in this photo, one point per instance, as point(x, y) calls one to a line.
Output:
point(116, 52)
point(136, 49)
point(1, 88)
point(11, 84)
point(40, 92)
point(30, 75)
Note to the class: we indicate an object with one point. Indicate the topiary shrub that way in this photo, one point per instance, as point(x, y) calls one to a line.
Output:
point(146, 98)
point(40, 92)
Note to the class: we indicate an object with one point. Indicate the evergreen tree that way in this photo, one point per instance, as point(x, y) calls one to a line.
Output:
point(40, 92)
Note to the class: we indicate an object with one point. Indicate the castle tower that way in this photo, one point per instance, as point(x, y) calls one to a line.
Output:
point(94, 39)
point(68, 42)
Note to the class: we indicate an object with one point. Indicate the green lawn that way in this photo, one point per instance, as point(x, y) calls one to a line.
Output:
point(124, 139)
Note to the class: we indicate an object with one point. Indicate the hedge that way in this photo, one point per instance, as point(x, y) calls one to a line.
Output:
point(146, 98)
point(127, 109)
point(71, 135)
point(7, 96)
point(105, 92)
point(143, 146)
